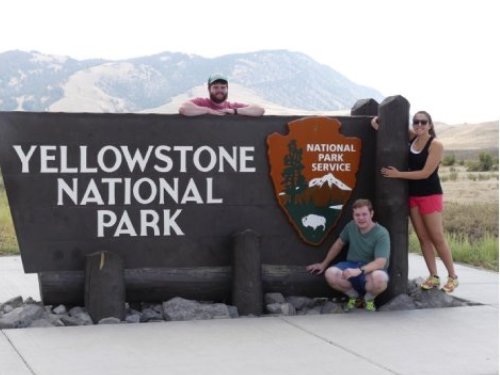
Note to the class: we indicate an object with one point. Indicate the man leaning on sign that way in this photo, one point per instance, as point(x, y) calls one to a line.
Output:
point(217, 103)
point(365, 270)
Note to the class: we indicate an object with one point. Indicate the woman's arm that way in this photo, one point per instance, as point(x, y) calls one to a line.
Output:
point(432, 162)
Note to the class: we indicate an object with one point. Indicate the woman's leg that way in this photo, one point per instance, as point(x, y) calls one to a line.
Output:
point(434, 226)
point(424, 239)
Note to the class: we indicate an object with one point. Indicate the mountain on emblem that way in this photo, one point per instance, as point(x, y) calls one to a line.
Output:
point(313, 169)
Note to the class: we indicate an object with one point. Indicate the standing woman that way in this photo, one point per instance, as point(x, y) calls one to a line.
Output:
point(426, 197)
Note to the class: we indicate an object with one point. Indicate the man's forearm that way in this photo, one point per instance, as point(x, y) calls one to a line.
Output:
point(191, 109)
point(377, 264)
point(251, 110)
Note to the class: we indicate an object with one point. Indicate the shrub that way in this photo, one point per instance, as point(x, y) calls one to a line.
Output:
point(449, 160)
point(484, 164)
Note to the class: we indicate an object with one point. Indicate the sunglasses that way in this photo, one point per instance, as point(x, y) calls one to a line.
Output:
point(420, 122)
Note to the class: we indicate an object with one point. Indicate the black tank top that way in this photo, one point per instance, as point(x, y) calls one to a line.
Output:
point(429, 186)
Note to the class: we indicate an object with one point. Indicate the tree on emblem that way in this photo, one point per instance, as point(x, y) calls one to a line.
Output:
point(293, 181)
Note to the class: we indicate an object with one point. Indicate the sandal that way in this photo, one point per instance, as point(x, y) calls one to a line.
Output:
point(431, 282)
point(450, 285)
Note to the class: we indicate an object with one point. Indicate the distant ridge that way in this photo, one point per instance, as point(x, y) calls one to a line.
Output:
point(469, 137)
point(33, 81)
point(284, 82)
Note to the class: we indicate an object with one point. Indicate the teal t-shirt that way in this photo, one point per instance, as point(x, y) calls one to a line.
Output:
point(365, 247)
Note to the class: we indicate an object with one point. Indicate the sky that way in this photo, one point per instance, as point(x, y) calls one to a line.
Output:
point(441, 55)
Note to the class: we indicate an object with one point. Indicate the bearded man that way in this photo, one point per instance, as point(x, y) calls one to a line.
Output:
point(217, 104)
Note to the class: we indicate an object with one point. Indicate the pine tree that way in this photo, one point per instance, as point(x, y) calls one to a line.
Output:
point(293, 181)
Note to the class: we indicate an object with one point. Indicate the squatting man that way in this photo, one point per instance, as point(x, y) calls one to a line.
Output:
point(364, 272)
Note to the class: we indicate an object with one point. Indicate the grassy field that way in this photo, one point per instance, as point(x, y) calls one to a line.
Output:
point(470, 217)
point(8, 241)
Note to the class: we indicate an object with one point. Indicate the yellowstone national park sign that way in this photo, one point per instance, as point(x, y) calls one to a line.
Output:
point(313, 169)
point(171, 191)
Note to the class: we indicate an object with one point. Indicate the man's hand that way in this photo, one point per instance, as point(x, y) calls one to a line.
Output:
point(316, 269)
point(351, 272)
point(228, 111)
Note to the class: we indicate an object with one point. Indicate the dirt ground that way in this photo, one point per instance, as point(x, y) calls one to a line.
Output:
point(465, 189)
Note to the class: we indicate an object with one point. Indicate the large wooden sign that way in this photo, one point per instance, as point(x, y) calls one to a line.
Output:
point(168, 193)
point(313, 169)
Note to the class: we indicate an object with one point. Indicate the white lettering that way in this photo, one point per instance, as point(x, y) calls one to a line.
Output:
point(137, 190)
point(183, 150)
point(138, 158)
point(71, 192)
point(191, 194)
point(162, 157)
point(105, 219)
point(232, 159)
point(92, 194)
point(210, 198)
point(117, 159)
point(151, 223)
point(169, 222)
point(24, 158)
point(326, 147)
point(330, 167)
point(211, 163)
point(83, 161)
point(64, 161)
point(244, 158)
point(125, 226)
point(45, 157)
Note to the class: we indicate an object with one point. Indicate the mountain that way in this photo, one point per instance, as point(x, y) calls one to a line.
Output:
point(482, 136)
point(283, 81)
point(330, 180)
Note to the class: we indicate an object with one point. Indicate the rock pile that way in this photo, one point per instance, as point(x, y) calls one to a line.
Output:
point(19, 313)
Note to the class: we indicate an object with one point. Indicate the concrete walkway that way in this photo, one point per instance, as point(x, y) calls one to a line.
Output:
point(461, 340)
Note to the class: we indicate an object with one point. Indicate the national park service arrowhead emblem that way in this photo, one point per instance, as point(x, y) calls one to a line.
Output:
point(313, 169)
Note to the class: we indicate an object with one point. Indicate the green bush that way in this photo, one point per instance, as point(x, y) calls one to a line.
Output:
point(449, 160)
point(484, 164)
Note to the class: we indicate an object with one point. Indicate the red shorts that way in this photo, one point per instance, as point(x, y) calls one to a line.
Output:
point(427, 204)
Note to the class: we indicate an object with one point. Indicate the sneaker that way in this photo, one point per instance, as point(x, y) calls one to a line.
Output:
point(450, 285)
point(431, 282)
point(351, 304)
point(370, 305)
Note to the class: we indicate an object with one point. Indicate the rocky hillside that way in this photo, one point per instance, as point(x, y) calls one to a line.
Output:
point(32, 81)
point(469, 137)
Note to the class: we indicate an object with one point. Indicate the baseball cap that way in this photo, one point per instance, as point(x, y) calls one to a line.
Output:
point(216, 77)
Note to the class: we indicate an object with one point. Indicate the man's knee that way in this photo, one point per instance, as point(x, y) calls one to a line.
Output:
point(333, 275)
point(378, 281)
